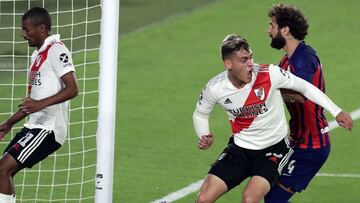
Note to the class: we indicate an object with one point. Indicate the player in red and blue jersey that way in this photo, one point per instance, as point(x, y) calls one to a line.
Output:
point(309, 129)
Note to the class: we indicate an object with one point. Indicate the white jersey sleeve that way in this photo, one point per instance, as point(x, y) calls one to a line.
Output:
point(202, 112)
point(284, 79)
point(61, 60)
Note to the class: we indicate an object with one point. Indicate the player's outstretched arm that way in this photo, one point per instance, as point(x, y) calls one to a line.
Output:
point(285, 79)
point(317, 96)
point(344, 120)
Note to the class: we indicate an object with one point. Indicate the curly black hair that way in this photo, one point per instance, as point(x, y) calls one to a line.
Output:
point(292, 17)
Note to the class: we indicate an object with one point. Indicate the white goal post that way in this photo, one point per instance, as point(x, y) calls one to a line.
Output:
point(107, 101)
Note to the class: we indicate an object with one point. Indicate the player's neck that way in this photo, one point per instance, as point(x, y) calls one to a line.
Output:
point(238, 84)
point(290, 46)
point(44, 37)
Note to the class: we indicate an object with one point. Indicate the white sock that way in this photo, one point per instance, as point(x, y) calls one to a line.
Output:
point(7, 198)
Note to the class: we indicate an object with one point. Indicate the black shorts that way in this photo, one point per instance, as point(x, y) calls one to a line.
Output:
point(30, 146)
point(235, 163)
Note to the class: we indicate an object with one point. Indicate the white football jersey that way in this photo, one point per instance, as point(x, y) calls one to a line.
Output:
point(48, 65)
point(256, 111)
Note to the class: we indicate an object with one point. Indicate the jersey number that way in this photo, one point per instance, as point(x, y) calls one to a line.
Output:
point(291, 166)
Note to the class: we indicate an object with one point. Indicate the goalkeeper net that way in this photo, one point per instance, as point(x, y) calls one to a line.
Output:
point(69, 174)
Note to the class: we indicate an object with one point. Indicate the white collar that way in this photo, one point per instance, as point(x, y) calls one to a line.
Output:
point(231, 86)
point(50, 39)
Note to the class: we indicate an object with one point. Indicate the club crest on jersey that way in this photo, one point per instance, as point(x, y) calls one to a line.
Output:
point(260, 93)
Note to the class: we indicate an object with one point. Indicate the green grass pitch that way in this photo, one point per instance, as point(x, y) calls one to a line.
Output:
point(162, 69)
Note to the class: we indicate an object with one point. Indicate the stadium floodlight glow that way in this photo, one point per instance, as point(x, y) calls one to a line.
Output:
point(82, 169)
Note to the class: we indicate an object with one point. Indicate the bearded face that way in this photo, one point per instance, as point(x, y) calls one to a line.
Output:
point(277, 42)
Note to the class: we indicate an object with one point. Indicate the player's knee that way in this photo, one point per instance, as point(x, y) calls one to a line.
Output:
point(7, 167)
point(248, 197)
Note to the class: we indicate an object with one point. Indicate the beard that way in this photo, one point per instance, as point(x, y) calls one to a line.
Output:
point(278, 42)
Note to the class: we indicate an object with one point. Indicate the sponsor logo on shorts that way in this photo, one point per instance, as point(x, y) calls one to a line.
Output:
point(222, 156)
point(274, 157)
point(16, 146)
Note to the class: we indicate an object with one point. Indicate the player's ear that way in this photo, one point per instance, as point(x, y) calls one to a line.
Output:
point(227, 64)
point(43, 28)
point(285, 31)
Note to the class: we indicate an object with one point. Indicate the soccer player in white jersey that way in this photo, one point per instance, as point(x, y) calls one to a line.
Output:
point(250, 94)
point(52, 83)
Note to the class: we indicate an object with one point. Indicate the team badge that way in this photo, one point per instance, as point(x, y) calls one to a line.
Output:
point(260, 93)
point(64, 58)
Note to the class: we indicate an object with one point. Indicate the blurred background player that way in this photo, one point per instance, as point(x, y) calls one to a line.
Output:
point(309, 130)
point(51, 84)
point(250, 94)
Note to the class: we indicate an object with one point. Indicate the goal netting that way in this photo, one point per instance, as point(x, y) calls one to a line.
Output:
point(69, 174)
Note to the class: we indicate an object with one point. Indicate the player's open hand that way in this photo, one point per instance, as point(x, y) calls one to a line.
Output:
point(344, 120)
point(205, 141)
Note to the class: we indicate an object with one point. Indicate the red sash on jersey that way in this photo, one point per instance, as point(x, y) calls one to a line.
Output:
point(263, 82)
point(41, 57)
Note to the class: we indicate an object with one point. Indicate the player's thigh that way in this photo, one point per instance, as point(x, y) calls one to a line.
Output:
point(233, 166)
point(212, 188)
point(8, 165)
point(34, 146)
point(256, 189)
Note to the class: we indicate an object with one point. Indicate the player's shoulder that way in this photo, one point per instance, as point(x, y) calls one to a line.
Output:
point(215, 86)
point(261, 67)
point(59, 52)
point(58, 46)
point(271, 69)
point(219, 80)
point(304, 54)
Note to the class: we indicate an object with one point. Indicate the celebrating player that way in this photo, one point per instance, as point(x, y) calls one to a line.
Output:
point(51, 84)
point(250, 94)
